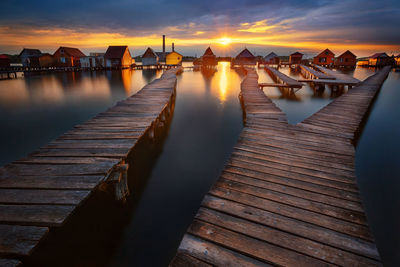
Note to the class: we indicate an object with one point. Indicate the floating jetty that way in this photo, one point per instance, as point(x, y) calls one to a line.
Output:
point(310, 73)
point(282, 79)
point(338, 76)
point(41, 191)
point(288, 195)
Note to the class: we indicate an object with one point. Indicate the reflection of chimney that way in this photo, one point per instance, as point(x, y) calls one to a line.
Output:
point(173, 47)
point(163, 43)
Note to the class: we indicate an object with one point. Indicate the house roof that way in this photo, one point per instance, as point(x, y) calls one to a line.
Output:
point(323, 53)
point(174, 52)
point(30, 52)
point(71, 51)
point(376, 55)
point(270, 56)
point(347, 52)
point(149, 53)
point(115, 51)
point(296, 54)
point(208, 52)
point(245, 54)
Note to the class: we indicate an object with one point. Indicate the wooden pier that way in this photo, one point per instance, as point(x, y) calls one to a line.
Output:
point(288, 195)
point(282, 78)
point(42, 190)
point(310, 73)
point(338, 76)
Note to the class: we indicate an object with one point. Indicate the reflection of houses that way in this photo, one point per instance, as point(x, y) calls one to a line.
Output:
point(30, 57)
point(245, 58)
point(46, 60)
point(94, 60)
point(4, 61)
point(379, 59)
point(271, 58)
point(347, 59)
point(149, 58)
point(208, 58)
point(295, 58)
point(324, 58)
point(118, 57)
point(68, 57)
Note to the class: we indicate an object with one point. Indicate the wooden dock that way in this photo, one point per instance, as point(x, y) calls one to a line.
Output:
point(282, 78)
point(338, 76)
point(42, 190)
point(310, 73)
point(288, 195)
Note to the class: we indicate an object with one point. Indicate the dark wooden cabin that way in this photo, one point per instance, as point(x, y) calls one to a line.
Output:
point(245, 58)
point(295, 58)
point(271, 58)
point(30, 57)
point(209, 58)
point(379, 59)
point(325, 58)
point(68, 57)
point(4, 61)
point(347, 59)
point(118, 57)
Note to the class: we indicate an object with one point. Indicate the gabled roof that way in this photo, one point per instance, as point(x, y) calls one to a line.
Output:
point(30, 52)
point(323, 53)
point(46, 54)
point(71, 51)
point(115, 51)
point(208, 52)
point(296, 54)
point(149, 53)
point(376, 55)
point(270, 56)
point(245, 54)
point(347, 52)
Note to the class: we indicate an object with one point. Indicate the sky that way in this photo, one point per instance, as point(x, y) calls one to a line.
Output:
point(263, 26)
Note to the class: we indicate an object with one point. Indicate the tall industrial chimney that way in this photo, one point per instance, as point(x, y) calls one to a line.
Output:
point(163, 43)
point(173, 47)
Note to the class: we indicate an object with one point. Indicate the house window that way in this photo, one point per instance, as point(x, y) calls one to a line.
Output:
point(322, 59)
point(341, 59)
point(62, 59)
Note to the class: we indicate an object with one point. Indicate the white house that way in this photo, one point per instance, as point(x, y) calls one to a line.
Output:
point(149, 58)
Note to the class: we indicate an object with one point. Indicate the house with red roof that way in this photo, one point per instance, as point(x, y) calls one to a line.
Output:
point(118, 57)
point(67, 57)
point(347, 59)
point(325, 58)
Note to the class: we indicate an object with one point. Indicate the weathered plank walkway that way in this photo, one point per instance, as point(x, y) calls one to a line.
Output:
point(42, 190)
point(339, 76)
point(282, 78)
point(310, 73)
point(288, 195)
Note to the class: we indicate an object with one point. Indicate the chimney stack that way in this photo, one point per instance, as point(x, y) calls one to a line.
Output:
point(173, 47)
point(163, 43)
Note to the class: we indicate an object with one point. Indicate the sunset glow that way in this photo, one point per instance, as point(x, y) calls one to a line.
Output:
point(224, 41)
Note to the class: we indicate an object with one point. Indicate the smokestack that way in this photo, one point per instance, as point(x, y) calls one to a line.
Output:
point(173, 47)
point(163, 43)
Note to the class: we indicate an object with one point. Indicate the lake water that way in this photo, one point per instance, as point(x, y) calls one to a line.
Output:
point(170, 177)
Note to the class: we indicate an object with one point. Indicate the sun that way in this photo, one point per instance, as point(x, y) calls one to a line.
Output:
point(224, 41)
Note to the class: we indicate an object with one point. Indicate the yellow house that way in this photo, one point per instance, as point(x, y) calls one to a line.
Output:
point(173, 58)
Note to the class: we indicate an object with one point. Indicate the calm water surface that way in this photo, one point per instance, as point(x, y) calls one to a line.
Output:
point(197, 143)
point(37, 109)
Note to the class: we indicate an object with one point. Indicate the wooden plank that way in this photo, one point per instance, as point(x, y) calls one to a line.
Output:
point(16, 240)
point(37, 215)
point(40, 196)
point(185, 260)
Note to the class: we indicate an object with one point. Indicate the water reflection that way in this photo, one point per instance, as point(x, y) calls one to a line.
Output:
point(223, 81)
point(47, 105)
